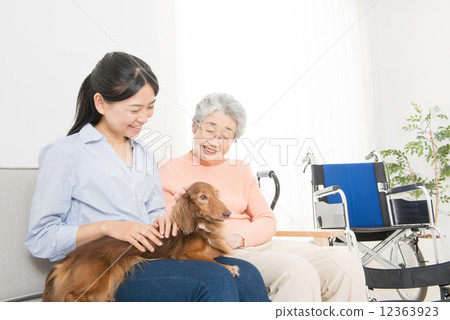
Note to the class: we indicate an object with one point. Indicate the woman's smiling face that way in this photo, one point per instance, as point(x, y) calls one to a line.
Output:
point(125, 118)
point(213, 137)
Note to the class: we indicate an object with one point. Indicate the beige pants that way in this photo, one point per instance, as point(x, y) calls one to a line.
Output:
point(299, 271)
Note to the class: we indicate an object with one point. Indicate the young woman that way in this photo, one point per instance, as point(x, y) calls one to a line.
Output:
point(292, 271)
point(98, 181)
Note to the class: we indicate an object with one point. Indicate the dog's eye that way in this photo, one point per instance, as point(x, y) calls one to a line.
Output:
point(203, 197)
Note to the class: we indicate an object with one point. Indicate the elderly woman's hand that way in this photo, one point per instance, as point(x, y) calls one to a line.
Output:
point(234, 241)
point(180, 193)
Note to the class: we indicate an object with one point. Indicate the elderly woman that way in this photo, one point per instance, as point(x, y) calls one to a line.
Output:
point(292, 271)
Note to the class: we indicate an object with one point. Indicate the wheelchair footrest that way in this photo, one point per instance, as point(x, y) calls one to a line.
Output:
point(436, 274)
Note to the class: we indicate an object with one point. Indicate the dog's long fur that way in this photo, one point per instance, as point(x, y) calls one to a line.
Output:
point(94, 271)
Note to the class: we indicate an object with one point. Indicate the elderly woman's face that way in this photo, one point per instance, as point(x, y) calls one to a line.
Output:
point(214, 136)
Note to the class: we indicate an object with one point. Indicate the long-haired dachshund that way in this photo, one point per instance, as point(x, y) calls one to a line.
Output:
point(94, 271)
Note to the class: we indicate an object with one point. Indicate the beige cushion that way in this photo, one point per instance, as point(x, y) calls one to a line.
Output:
point(21, 275)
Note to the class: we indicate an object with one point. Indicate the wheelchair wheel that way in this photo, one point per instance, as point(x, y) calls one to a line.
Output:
point(403, 254)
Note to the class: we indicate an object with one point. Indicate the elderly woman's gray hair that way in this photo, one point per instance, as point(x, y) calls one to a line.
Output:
point(225, 103)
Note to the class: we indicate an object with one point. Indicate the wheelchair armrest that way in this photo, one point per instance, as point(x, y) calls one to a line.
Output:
point(406, 188)
point(326, 191)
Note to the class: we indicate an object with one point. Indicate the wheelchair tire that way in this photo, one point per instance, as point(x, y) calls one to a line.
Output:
point(404, 255)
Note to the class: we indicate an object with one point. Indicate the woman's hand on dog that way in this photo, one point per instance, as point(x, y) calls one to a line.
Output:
point(135, 233)
point(165, 224)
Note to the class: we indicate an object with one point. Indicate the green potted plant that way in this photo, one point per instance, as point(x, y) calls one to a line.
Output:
point(431, 146)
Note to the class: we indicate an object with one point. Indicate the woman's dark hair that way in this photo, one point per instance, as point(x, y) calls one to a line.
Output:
point(118, 76)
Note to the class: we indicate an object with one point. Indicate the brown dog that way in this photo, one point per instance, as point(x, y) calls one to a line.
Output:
point(94, 271)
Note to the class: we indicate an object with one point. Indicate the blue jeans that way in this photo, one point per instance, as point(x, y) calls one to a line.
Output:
point(168, 280)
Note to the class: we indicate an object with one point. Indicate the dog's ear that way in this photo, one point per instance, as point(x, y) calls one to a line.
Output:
point(182, 214)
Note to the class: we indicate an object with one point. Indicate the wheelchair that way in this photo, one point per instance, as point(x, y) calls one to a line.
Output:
point(380, 227)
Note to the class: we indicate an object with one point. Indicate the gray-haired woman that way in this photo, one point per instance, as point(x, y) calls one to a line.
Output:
point(292, 271)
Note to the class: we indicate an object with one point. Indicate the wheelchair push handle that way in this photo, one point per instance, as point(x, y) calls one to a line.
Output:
point(265, 174)
point(270, 174)
point(373, 154)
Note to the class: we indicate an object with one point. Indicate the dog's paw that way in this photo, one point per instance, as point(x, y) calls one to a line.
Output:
point(234, 270)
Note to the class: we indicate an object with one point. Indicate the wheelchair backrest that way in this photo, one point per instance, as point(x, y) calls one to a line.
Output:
point(367, 206)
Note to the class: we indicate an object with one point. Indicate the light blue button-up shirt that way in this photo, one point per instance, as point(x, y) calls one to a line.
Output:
point(83, 180)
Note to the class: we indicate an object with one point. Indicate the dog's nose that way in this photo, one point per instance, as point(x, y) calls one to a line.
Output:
point(227, 214)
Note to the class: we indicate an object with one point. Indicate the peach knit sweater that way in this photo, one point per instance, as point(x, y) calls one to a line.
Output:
point(251, 216)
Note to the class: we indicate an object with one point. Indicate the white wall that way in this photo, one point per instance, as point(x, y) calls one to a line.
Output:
point(49, 47)
point(409, 55)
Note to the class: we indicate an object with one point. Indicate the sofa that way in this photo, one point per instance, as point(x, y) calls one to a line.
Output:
point(22, 276)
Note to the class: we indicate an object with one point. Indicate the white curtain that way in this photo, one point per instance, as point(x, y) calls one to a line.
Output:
point(298, 69)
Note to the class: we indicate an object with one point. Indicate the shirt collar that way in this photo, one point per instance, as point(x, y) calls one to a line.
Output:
point(89, 134)
point(134, 143)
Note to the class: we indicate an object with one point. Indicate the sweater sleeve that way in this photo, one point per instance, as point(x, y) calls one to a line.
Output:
point(263, 221)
